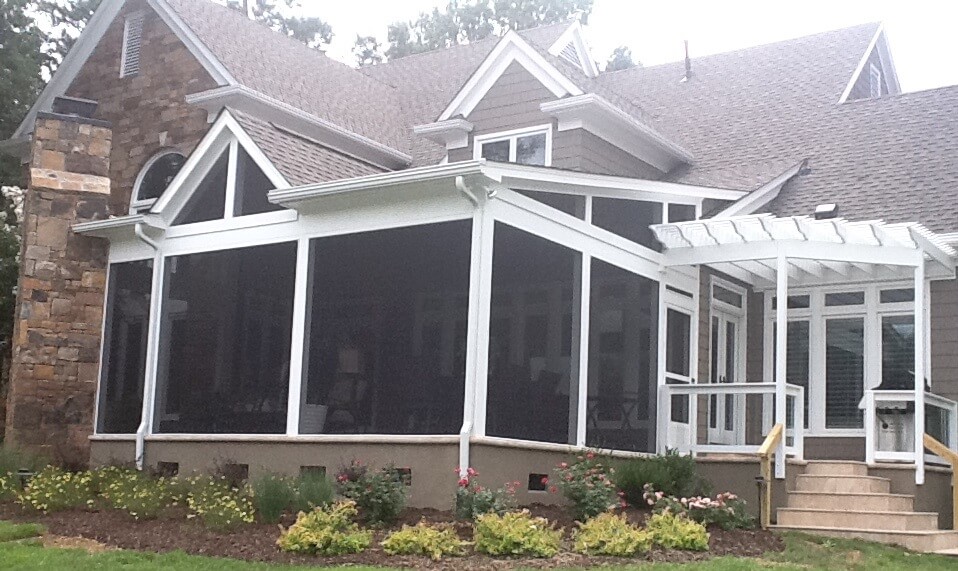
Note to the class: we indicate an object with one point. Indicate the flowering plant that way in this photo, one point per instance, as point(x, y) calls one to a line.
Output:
point(219, 505)
point(725, 510)
point(587, 484)
point(473, 500)
point(379, 495)
point(53, 489)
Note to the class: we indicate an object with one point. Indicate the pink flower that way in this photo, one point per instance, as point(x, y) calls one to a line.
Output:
point(590, 456)
point(563, 465)
point(463, 482)
point(553, 490)
point(545, 480)
point(472, 472)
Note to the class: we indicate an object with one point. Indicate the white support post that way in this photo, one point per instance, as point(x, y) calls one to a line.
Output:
point(662, 413)
point(582, 359)
point(231, 173)
point(477, 333)
point(920, 369)
point(871, 440)
point(781, 346)
point(297, 354)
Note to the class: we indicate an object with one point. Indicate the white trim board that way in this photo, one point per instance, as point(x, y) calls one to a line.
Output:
point(574, 35)
point(762, 196)
point(511, 48)
point(884, 55)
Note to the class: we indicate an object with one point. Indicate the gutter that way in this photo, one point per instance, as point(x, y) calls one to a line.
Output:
point(150, 379)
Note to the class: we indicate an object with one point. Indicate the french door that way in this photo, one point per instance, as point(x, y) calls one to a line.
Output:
point(726, 366)
point(678, 371)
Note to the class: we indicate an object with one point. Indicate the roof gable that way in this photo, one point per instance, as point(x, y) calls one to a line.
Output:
point(510, 49)
point(572, 47)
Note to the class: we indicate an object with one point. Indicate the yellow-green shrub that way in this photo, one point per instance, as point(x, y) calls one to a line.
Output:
point(678, 532)
point(53, 489)
point(424, 539)
point(610, 534)
point(326, 531)
point(219, 505)
point(516, 533)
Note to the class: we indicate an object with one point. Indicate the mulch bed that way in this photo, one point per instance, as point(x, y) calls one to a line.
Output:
point(257, 542)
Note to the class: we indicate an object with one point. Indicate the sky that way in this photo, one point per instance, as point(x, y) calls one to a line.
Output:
point(921, 33)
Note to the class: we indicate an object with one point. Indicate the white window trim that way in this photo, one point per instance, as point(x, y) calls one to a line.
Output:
point(872, 312)
point(136, 203)
point(512, 136)
point(136, 16)
point(874, 76)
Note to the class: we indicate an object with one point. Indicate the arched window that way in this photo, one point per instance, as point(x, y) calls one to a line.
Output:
point(154, 177)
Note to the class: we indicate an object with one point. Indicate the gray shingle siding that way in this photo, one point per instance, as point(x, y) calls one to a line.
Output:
point(944, 338)
point(862, 87)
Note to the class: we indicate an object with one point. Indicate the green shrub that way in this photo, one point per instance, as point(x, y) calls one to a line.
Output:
point(610, 534)
point(313, 491)
point(473, 500)
point(516, 533)
point(272, 496)
point(219, 505)
point(677, 532)
point(587, 484)
point(53, 489)
point(326, 531)
point(379, 495)
point(423, 539)
point(132, 491)
point(672, 474)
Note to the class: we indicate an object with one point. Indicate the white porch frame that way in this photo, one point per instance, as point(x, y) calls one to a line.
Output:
point(817, 252)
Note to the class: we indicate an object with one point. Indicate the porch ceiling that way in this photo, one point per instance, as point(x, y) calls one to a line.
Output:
point(816, 251)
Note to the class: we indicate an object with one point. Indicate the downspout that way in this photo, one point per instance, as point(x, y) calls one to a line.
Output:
point(465, 433)
point(141, 431)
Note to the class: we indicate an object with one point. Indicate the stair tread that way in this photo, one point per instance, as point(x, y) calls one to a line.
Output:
point(868, 512)
point(853, 494)
point(849, 476)
point(915, 532)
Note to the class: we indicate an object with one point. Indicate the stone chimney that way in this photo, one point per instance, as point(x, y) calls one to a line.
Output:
point(59, 315)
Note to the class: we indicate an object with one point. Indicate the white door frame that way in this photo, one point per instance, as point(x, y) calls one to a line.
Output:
point(680, 433)
point(727, 313)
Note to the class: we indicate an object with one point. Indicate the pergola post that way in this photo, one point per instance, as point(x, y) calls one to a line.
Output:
point(920, 369)
point(781, 346)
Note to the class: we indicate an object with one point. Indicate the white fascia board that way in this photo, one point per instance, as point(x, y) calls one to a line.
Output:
point(596, 115)
point(761, 196)
point(889, 72)
point(574, 34)
point(213, 66)
point(511, 48)
point(861, 64)
point(270, 109)
point(291, 196)
point(542, 178)
point(453, 133)
point(72, 64)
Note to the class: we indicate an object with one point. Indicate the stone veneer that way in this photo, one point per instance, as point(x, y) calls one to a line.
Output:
point(59, 315)
point(148, 112)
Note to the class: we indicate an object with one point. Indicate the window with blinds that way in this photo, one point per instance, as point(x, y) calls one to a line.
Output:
point(132, 42)
point(844, 372)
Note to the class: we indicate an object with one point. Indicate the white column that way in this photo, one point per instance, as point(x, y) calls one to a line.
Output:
point(664, 407)
point(298, 350)
point(477, 336)
point(781, 346)
point(920, 369)
point(580, 357)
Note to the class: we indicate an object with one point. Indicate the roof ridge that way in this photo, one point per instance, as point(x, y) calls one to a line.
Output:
point(876, 24)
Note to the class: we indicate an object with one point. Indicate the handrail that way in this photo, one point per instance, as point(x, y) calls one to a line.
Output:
point(765, 452)
point(951, 456)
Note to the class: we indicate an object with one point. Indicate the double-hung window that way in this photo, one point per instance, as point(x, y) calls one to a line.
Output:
point(530, 146)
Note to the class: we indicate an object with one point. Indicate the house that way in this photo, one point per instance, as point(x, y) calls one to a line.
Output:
point(238, 250)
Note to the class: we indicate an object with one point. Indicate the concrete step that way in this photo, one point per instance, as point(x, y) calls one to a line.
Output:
point(842, 484)
point(836, 468)
point(852, 501)
point(923, 541)
point(887, 521)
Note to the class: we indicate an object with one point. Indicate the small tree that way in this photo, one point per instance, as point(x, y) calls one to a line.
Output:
point(621, 58)
point(279, 16)
point(367, 50)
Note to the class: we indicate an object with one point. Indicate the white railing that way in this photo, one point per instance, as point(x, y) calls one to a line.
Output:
point(891, 425)
point(691, 436)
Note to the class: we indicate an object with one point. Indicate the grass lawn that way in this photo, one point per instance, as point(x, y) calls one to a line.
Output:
point(20, 548)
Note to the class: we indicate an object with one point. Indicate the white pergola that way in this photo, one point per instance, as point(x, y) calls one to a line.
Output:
point(773, 252)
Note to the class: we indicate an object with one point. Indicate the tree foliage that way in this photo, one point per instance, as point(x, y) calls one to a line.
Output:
point(280, 16)
point(621, 58)
point(64, 20)
point(367, 50)
point(465, 21)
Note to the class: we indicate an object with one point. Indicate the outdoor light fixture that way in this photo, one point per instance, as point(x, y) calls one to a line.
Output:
point(826, 211)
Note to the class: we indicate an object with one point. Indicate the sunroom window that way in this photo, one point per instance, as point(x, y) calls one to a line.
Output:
point(524, 146)
point(156, 175)
point(209, 198)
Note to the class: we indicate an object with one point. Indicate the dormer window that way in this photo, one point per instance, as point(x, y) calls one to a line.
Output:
point(874, 81)
point(132, 41)
point(531, 146)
